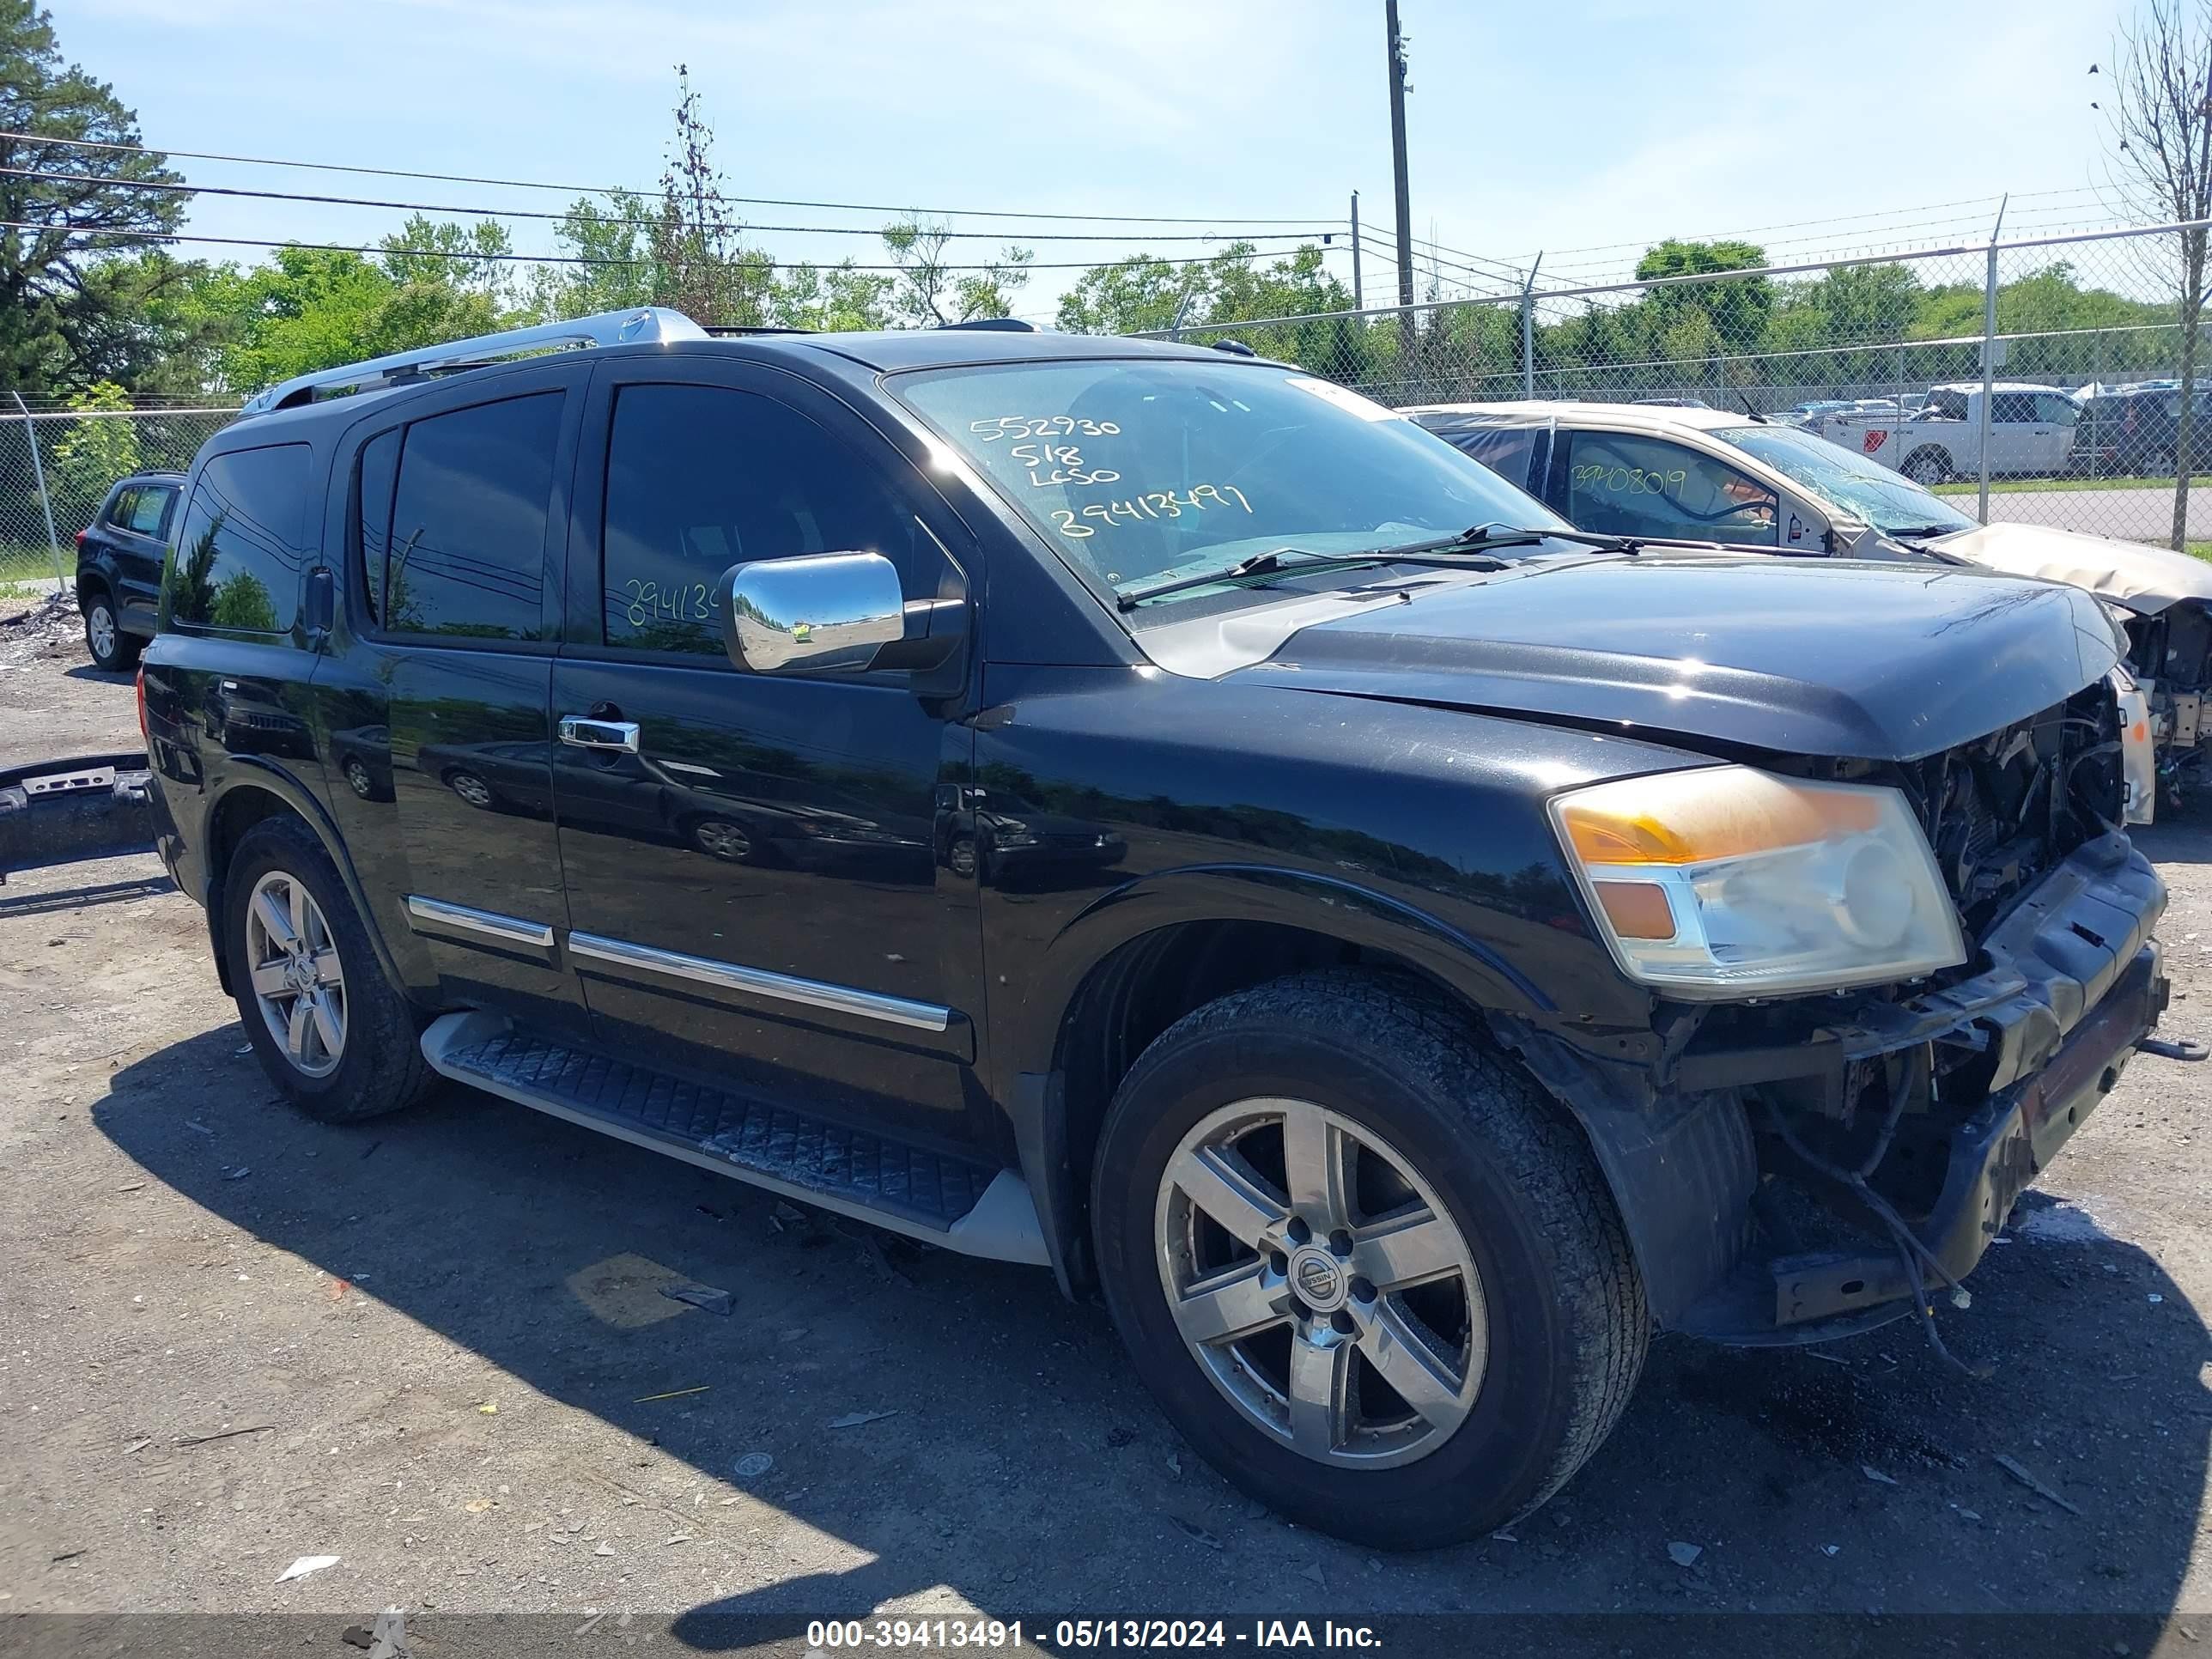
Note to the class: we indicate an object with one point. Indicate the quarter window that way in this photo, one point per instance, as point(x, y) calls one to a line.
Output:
point(237, 561)
point(463, 555)
point(702, 477)
point(1508, 451)
point(149, 511)
point(1621, 484)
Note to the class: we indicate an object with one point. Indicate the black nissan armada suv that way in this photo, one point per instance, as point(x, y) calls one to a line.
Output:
point(1148, 812)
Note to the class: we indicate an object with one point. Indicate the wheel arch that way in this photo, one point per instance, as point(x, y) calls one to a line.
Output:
point(1945, 460)
point(1138, 959)
point(258, 792)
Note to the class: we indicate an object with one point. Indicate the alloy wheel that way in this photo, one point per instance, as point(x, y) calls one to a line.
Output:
point(723, 840)
point(471, 788)
point(99, 629)
point(293, 965)
point(1320, 1283)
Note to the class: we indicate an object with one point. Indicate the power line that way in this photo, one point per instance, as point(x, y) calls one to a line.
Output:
point(541, 214)
point(616, 189)
point(561, 258)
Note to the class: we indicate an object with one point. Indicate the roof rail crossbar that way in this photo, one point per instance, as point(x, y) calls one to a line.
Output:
point(649, 324)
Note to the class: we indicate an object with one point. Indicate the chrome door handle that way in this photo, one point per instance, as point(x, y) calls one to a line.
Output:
point(585, 732)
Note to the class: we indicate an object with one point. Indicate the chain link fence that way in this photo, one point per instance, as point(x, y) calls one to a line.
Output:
point(55, 468)
point(2036, 380)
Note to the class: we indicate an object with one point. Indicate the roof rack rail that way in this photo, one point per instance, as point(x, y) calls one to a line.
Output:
point(649, 324)
point(736, 331)
point(996, 326)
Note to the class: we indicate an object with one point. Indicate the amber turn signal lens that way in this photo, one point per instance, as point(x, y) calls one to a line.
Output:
point(1690, 817)
point(1637, 910)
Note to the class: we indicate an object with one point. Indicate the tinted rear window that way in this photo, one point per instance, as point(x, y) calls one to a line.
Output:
point(466, 553)
point(237, 561)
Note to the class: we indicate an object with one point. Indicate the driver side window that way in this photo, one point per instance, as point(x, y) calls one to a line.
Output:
point(701, 478)
point(1619, 484)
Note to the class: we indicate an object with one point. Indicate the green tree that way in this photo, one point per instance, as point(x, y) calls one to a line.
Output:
point(308, 308)
point(1140, 294)
point(67, 302)
point(928, 294)
point(94, 453)
point(242, 601)
point(837, 298)
point(620, 272)
point(1737, 310)
point(701, 266)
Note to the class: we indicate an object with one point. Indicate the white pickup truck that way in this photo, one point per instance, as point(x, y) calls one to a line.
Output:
point(2030, 432)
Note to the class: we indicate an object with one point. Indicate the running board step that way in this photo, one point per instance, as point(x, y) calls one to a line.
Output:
point(961, 1204)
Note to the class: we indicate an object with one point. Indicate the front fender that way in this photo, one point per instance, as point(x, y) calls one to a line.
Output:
point(1028, 1018)
point(1305, 899)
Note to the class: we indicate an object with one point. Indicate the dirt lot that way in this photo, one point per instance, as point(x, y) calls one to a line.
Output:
point(434, 1347)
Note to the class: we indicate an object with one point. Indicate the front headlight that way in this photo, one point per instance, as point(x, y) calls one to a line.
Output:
point(1731, 882)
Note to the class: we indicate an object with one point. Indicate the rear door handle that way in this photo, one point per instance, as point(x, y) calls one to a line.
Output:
point(585, 732)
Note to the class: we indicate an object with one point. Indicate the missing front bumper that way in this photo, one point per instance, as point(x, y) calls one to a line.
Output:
point(2070, 985)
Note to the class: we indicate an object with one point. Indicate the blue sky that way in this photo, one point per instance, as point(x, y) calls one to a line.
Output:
point(1585, 128)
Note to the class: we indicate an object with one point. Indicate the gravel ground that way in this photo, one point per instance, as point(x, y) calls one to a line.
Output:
point(434, 1346)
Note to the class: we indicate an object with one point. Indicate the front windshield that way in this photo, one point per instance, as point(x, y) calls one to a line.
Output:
point(1866, 489)
point(1141, 470)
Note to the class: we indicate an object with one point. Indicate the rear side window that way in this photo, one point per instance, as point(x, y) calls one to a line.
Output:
point(1507, 451)
point(237, 561)
point(119, 510)
point(464, 554)
point(2012, 408)
point(149, 511)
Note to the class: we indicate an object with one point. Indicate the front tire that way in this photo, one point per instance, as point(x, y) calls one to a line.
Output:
point(1366, 1268)
point(327, 1025)
point(110, 647)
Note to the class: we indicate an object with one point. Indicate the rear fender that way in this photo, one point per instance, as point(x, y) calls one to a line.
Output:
point(253, 772)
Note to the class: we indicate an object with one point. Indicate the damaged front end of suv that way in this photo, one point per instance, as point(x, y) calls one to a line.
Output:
point(1812, 1166)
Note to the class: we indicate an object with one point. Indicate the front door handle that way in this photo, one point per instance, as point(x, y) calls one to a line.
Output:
point(585, 732)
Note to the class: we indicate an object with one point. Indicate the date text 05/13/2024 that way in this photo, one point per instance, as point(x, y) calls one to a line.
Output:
point(830, 1636)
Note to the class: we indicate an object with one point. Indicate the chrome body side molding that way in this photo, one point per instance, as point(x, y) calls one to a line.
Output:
point(756, 981)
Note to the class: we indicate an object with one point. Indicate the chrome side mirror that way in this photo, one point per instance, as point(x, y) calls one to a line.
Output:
point(819, 612)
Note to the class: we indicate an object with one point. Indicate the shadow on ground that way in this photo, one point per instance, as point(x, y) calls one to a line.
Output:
point(1021, 1466)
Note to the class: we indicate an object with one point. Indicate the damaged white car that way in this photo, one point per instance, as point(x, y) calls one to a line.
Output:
point(1706, 474)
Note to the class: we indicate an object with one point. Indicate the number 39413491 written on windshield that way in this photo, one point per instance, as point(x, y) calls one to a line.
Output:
point(1150, 504)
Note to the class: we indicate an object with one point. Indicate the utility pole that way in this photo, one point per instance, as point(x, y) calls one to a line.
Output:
point(1359, 302)
point(1398, 174)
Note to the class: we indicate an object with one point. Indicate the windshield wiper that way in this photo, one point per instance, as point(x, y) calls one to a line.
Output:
point(1505, 535)
point(1930, 530)
point(1462, 551)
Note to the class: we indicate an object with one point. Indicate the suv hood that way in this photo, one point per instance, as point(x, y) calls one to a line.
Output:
point(1875, 661)
point(2144, 578)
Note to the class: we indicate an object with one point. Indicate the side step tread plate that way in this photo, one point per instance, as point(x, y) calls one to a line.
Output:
point(965, 1204)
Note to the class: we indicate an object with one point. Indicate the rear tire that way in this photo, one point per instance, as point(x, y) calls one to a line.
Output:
point(110, 647)
point(1927, 467)
point(356, 1051)
point(1523, 1312)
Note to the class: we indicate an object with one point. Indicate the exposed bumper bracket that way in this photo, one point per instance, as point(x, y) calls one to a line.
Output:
point(63, 811)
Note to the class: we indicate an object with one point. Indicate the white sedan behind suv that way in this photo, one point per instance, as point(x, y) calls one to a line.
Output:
point(1713, 476)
